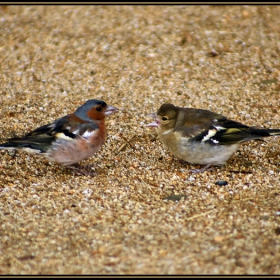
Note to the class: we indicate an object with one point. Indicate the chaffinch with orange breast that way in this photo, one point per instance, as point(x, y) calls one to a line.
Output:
point(202, 137)
point(69, 139)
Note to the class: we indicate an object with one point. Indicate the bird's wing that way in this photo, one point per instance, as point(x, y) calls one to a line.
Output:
point(42, 137)
point(217, 132)
point(66, 127)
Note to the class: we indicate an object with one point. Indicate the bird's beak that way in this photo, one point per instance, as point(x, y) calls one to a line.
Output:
point(155, 123)
point(110, 110)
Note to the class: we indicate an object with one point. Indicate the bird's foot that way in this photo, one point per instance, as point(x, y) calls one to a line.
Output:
point(183, 161)
point(201, 170)
point(78, 170)
point(207, 167)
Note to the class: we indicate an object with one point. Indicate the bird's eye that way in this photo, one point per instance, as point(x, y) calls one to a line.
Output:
point(164, 118)
point(98, 109)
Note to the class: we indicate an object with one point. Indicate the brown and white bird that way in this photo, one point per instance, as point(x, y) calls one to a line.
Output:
point(69, 139)
point(202, 137)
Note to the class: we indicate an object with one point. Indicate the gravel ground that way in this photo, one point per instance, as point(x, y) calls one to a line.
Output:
point(143, 212)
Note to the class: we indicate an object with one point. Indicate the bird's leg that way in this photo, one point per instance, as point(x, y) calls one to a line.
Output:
point(196, 170)
point(206, 167)
point(78, 169)
point(183, 161)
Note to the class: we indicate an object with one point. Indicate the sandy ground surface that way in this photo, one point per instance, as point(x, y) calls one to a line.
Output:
point(143, 212)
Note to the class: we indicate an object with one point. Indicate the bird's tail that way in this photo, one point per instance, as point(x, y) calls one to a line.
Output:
point(259, 133)
point(25, 144)
point(7, 145)
point(274, 132)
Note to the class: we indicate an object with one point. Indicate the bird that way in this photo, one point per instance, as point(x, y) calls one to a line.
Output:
point(69, 139)
point(202, 137)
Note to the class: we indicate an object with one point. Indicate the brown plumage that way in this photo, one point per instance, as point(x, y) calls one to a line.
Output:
point(202, 137)
point(69, 139)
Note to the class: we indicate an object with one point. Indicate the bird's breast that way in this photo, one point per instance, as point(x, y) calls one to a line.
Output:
point(68, 152)
point(197, 152)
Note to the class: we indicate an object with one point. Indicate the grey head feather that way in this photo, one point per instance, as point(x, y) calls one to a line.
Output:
point(81, 112)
